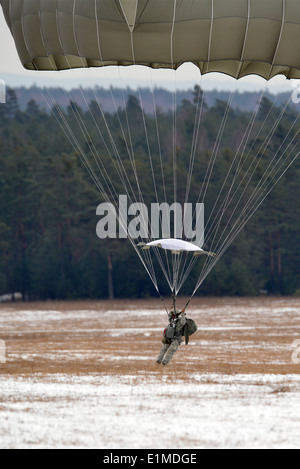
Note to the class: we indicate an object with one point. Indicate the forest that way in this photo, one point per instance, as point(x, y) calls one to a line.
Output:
point(48, 243)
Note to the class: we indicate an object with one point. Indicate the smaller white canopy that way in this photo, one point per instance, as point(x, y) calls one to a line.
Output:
point(176, 246)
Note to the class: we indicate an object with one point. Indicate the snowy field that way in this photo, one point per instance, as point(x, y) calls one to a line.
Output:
point(83, 375)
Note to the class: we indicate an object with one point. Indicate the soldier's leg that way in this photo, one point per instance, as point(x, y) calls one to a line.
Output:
point(162, 353)
point(170, 352)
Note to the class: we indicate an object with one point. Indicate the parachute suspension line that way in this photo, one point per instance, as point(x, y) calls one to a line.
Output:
point(174, 105)
point(129, 151)
point(249, 128)
point(129, 147)
point(158, 137)
point(278, 167)
point(193, 261)
point(144, 124)
point(215, 225)
point(147, 142)
point(76, 145)
point(176, 258)
point(119, 167)
point(78, 150)
point(210, 34)
point(132, 192)
point(279, 37)
point(263, 189)
point(283, 111)
point(209, 171)
point(267, 174)
point(248, 131)
point(187, 303)
point(214, 154)
point(197, 123)
point(156, 249)
point(216, 147)
point(175, 271)
point(283, 16)
point(132, 159)
point(87, 164)
point(160, 159)
point(225, 203)
point(163, 302)
point(243, 143)
point(215, 151)
point(198, 116)
point(233, 236)
point(245, 37)
point(174, 297)
point(141, 198)
point(168, 275)
point(208, 174)
point(118, 164)
point(260, 152)
point(55, 109)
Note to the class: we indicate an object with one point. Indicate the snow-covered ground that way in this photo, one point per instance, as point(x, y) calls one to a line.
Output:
point(110, 394)
point(109, 412)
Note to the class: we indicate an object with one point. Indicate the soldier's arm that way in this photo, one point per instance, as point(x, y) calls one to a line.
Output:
point(182, 319)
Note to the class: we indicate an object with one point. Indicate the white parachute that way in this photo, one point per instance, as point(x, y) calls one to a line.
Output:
point(177, 246)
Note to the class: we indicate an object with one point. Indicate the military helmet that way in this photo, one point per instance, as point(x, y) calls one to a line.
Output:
point(174, 312)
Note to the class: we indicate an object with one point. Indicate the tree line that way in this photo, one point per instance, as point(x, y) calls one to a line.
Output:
point(48, 243)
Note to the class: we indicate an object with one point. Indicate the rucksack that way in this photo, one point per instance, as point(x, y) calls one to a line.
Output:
point(189, 329)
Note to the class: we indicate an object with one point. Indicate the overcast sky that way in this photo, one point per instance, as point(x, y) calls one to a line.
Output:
point(12, 72)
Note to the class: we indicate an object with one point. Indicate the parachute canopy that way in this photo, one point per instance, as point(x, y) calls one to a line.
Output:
point(235, 37)
point(177, 246)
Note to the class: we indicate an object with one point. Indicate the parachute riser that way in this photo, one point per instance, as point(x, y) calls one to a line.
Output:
point(174, 301)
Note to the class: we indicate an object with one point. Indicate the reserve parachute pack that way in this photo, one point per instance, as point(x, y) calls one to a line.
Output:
point(189, 329)
point(169, 332)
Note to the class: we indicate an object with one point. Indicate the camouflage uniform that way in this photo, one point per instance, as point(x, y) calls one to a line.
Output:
point(170, 346)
